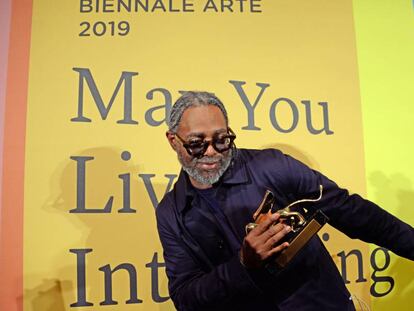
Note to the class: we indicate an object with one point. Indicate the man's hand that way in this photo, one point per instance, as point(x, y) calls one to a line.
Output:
point(263, 242)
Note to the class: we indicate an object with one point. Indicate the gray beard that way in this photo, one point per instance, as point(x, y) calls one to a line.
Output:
point(210, 178)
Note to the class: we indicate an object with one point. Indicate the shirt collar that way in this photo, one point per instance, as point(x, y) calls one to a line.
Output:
point(237, 172)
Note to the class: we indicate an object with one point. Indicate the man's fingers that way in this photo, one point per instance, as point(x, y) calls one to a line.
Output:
point(275, 229)
point(263, 226)
point(264, 241)
point(277, 232)
point(277, 249)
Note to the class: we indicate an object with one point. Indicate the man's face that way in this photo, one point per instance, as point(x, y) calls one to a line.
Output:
point(202, 123)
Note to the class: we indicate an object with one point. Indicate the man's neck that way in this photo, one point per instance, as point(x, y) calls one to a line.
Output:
point(199, 185)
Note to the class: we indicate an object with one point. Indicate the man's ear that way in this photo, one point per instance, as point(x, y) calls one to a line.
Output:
point(171, 139)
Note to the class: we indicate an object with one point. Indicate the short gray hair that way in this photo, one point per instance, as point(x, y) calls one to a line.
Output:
point(192, 99)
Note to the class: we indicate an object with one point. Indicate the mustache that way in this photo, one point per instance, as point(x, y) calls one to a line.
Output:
point(209, 160)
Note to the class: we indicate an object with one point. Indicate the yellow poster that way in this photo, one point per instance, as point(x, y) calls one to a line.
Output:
point(103, 76)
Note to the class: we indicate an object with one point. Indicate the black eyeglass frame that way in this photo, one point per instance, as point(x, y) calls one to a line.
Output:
point(205, 143)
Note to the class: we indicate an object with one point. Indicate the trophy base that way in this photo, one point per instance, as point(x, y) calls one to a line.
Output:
point(301, 238)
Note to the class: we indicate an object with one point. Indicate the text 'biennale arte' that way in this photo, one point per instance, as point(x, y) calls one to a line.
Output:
point(110, 26)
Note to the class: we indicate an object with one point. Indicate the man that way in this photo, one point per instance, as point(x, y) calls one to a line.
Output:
point(211, 264)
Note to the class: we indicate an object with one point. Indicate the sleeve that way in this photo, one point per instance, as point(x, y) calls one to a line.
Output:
point(194, 287)
point(351, 214)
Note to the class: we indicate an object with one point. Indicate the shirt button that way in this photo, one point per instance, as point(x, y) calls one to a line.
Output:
point(220, 244)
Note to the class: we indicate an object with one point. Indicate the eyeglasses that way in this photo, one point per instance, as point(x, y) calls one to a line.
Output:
point(220, 142)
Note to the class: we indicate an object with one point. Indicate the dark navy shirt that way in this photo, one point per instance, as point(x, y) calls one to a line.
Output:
point(219, 218)
point(201, 244)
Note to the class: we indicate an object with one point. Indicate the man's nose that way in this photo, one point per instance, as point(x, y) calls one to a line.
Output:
point(210, 151)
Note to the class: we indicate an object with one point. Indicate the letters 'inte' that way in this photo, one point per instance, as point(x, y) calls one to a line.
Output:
point(108, 272)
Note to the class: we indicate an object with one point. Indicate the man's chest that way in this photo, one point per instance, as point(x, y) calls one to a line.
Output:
point(220, 233)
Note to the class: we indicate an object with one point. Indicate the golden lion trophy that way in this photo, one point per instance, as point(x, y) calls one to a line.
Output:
point(304, 224)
